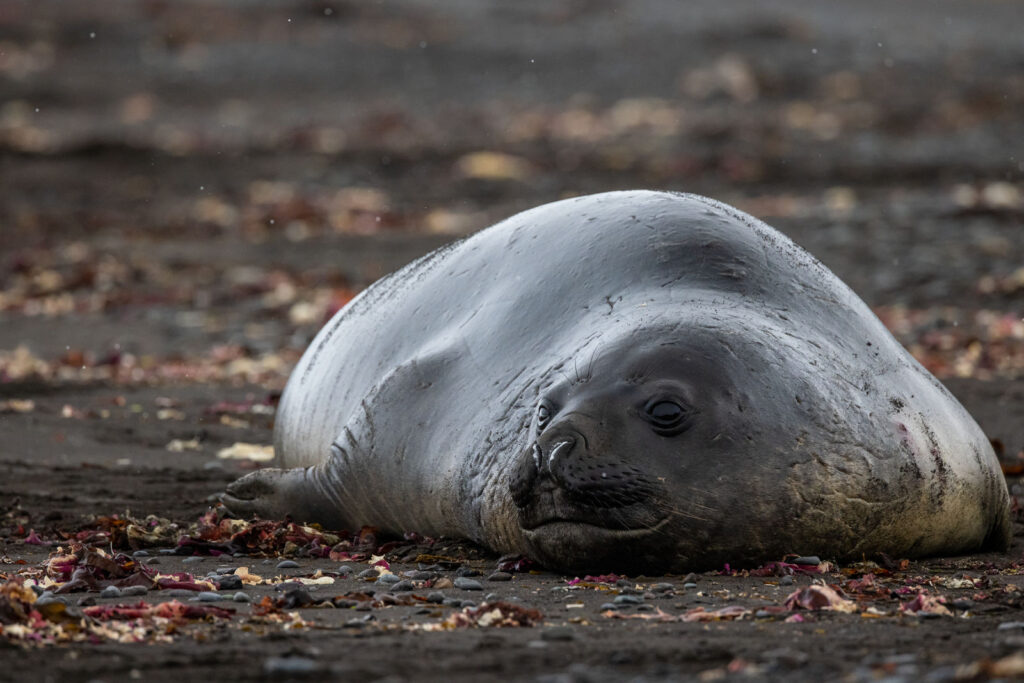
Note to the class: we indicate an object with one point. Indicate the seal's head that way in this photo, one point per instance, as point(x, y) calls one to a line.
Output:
point(692, 445)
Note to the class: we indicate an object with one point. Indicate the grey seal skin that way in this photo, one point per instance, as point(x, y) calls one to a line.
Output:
point(634, 381)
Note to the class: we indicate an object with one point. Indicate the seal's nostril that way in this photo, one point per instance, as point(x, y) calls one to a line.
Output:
point(536, 455)
point(556, 449)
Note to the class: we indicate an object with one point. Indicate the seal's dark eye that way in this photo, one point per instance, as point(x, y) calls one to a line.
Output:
point(543, 416)
point(667, 416)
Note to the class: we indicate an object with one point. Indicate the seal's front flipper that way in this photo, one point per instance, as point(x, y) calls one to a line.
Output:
point(274, 493)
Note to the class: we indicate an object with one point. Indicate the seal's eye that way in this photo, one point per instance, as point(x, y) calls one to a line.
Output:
point(667, 416)
point(543, 416)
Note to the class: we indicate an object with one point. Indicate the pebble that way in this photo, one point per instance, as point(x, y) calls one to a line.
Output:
point(417, 575)
point(468, 603)
point(467, 571)
point(388, 578)
point(229, 582)
point(627, 600)
point(134, 590)
point(608, 606)
point(690, 578)
point(403, 586)
point(1011, 626)
point(179, 593)
point(624, 583)
point(784, 581)
point(500, 576)
point(140, 553)
point(344, 570)
point(192, 559)
point(559, 633)
point(811, 560)
point(367, 573)
point(287, 564)
point(153, 560)
point(444, 582)
point(110, 592)
point(87, 601)
point(221, 571)
point(241, 597)
point(208, 596)
point(44, 600)
point(451, 602)
point(689, 586)
point(168, 551)
point(491, 597)
point(435, 597)
point(468, 584)
point(662, 588)
point(962, 603)
point(285, 666)
point(645, 608)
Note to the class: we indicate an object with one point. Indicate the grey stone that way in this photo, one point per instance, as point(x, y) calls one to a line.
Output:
point(1011, 626)
point(208, 596)
point(230, 582)
point(110, 592)
point(628, 600)
point(418, 575)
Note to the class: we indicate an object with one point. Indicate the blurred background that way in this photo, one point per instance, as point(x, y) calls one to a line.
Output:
point(190, 188)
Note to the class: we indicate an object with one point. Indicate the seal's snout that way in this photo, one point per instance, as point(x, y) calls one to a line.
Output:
point(540, 464)
point(560, 469)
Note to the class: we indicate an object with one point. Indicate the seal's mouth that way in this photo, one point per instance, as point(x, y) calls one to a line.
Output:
point(553, 513)
point(565, 527)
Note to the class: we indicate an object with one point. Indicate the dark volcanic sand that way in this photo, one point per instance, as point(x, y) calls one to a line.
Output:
point(187, 190)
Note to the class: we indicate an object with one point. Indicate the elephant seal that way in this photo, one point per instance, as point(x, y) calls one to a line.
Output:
point(632, 381)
